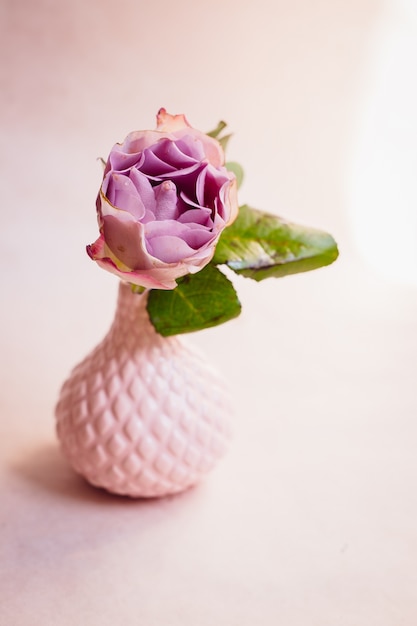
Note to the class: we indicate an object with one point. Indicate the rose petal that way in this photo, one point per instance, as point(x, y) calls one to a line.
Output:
point(151, 165)
point(163, 203)
point(211, 147)
point(154, 279)
point(122, 194)
point(164, 227)
point(126, 241)
point(166, 201)
point(105, 207)
point(185, 180)
point(169, 249)
point(200, 216)
point(180, 154)
point(144, 189)
point(178, 125)
point(208, 184)
point(198, 237)
point(169, 123)
point(228, 198)
point(194, 149)
point(170, 152)
point(124, 155)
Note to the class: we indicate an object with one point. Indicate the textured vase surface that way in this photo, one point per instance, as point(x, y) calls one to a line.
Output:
point(142, 415)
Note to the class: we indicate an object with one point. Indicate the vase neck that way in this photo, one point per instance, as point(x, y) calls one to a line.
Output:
point(131, 311)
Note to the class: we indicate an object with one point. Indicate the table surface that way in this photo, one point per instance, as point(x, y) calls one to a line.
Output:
point(311, 517)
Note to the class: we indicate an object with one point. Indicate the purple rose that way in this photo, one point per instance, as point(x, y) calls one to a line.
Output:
point(163, 203)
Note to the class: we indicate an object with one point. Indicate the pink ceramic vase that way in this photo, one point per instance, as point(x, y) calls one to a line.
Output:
point(143, 415)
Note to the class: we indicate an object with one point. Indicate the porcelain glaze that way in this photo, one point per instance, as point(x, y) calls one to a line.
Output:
point(143, 415)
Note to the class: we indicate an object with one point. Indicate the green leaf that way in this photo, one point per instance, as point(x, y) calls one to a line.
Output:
point(260, 245)
point(199, 301)
point(216, 131)
point(224, 140)
point(137, 288)
point(237, 170)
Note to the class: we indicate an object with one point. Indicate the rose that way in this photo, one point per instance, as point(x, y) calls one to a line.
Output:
point(163, 203)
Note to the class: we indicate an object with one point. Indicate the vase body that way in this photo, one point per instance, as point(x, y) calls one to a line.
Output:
point(142, 415)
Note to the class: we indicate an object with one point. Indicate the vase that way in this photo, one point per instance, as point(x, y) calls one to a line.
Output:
point(142, 415)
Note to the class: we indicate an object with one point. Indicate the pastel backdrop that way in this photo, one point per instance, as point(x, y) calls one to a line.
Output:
point(311, 517)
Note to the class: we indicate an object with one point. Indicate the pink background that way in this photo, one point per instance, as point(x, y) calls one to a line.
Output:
point(311, 518)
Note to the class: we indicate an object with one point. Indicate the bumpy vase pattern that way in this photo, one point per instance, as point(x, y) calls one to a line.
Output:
point(143, 415)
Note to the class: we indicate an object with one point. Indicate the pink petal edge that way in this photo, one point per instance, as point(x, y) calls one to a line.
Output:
point(169, 123)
